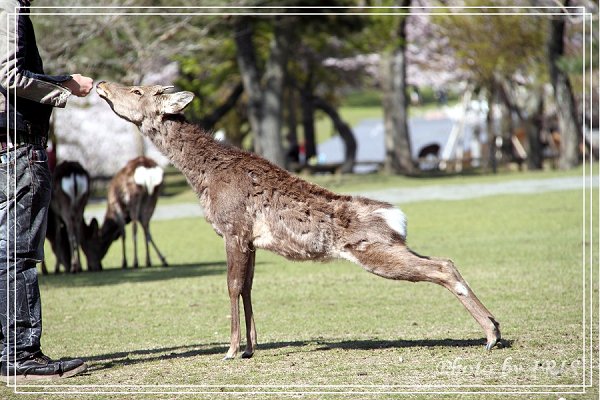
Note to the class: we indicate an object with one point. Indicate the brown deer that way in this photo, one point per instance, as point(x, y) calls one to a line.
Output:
point(132, 196)
point(254, 204)
point(70, 193)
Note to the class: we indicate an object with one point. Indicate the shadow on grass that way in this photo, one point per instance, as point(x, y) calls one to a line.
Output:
point(114, 276)
point(111, 360)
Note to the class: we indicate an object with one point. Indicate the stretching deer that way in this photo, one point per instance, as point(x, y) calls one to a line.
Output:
point(253, 204)
point(70, 193)
point(132, 197)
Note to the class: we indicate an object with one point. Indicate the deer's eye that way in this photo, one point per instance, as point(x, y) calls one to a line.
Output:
point(137, 92)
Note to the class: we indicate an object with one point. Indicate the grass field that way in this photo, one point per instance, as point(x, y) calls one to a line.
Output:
point(332, 327)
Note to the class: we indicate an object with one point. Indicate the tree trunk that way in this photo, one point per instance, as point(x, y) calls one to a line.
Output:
point(533, 126)
point(492, 160)
point(308, 118)
point(246, 58)
point(265, 102)
point(293, 153)
point(395, 106)
point(568, 121)
point(345, 133)
point(272, 105)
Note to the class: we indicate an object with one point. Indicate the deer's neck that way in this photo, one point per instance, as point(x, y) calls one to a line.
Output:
point(110, 231)
point(187, 146)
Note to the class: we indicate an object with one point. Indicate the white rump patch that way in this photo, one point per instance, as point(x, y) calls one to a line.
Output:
point(395, 219)
point(461, 289)
point(67, 184)
point(81, 181)
point(149, 178)
point(74, 186)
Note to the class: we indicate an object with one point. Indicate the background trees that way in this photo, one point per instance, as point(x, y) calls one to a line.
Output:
point(273, 75)
point(501, 54)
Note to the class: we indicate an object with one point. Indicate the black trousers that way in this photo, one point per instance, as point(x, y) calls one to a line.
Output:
point(25, 188)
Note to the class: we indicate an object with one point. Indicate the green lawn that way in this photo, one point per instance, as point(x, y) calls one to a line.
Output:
point(322, 324)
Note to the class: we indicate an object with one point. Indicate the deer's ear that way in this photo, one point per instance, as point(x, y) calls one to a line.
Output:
point(91, 230)
point(176, 102)
point(94, 224)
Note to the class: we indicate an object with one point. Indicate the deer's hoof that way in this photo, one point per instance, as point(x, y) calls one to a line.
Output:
point(247, 354)
point(494, 336)
point(494, 342)
point(228, 358)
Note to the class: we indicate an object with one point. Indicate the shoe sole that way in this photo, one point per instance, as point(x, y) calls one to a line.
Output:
point(12, 379)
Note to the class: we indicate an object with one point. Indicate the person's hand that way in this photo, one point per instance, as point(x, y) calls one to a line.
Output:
point(80, 85)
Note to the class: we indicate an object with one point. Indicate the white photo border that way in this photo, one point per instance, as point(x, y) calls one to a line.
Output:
point(576, 11)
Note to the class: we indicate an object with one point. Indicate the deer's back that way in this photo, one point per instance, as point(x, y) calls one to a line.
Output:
point(250, 198)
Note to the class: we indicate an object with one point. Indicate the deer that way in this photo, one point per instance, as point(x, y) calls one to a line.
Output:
point(70, 194)
point(254, 204)
point(56, 234)
point(132, 196)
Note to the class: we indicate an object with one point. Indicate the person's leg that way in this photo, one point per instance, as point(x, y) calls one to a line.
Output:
point(24, 201)
point(22, 313)
point(23, 208)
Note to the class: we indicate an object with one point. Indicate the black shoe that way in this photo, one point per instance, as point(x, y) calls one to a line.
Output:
point(39, 366)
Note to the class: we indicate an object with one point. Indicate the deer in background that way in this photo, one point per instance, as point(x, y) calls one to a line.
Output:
point(70, 193)
point(252, 204)
point(132, 196)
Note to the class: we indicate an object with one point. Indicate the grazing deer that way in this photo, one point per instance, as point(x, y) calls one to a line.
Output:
point(254, 204)
point(132, 197)
point(70, 193)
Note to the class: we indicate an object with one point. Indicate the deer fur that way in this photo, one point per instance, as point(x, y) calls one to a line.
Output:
point(57, 236)
point(70, 193)
point(254, 204)
point(132, 196)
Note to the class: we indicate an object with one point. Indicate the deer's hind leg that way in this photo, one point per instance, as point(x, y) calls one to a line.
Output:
point(149, 240)
point(134, 225)
point(248, 313)
point(399, 262)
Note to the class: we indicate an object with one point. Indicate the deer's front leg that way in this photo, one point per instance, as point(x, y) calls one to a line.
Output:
point(237, 265)
point(124, 259)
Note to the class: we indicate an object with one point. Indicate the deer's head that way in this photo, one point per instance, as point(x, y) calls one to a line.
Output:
point(142, 103)
point(97, 240)
point(92, 245)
